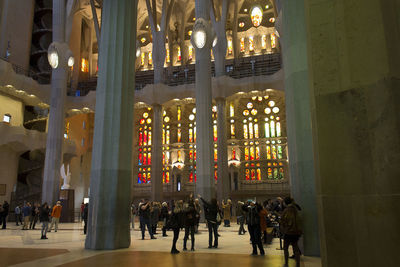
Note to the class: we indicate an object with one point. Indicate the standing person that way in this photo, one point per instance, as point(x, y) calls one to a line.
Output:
point(18, 215)
point(211, 211)
point(44, 219)
point(34, 216)
point(144, 217)
point(198, 214)
point(263, 223)
point(26, 212)
point(164, 217)
point(82, 208)
point(55, 216)
point(253, 223)
point(227, 212)
point(240, 217)
point(176, 223)
point(189, 222)
point(85, 217)
point(133, 214)
point(290, 226)
point(154, 216)
point(4, 214)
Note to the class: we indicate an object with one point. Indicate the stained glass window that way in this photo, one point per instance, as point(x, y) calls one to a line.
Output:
point(252, 156)
point(215, 133)
point(274, 152)
point(179, 135)
point(256, 132)
point(242, 47)
point(142, 58)
point(258, 174)
point(273, 129)
point(150, 58)
point(256, 15)
point(280, 152)
point(273, 40)
point(179, 54)
point(257, 153)
point(251, 136)
point(267, 130)
point(215, 155)
point(253, 174)
point(231, 110)
point(246, 153)
point(278, 129)
point(268, 152)
point(247, 174)
point(190, 135)
point(230, 47)
point(251, 44)
point(167, 137)
point(270, 176)
point(190, 52)
point(245, 132)
point(168, 57)
point(264, 41)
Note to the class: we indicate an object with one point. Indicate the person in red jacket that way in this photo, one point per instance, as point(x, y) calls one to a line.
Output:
point(55, 216)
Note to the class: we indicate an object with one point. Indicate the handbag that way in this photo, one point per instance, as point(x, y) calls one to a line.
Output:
point(218, 217)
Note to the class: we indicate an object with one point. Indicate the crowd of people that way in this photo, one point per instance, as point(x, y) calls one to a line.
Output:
point(281, 215)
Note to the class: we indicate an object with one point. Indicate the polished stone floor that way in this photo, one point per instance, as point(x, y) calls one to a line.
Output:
point(65, 248)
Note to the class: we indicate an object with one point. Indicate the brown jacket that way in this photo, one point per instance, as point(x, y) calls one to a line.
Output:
point(263, 222)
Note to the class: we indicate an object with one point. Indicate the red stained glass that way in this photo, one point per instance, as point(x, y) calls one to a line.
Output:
point(140, 139)
point(149, 158)
point(167, 177)
point(253, 174)
point(140, 159)
point(247, 174)
point(215, 175)
point(191, 177)
point(145, 138)
point(144, 159)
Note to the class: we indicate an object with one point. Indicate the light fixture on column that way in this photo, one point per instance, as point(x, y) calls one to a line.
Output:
point(138, 49)
point(71, 59)
point(53, 56)
point(202, 34)
point(215, 41)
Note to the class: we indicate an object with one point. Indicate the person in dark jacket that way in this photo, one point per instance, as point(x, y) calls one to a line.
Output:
point(154, 216)
point(176, 223)
point(4, 214)
point(240, 215)
point(34, 216)
point(291, 227)
point(144, 217)
point(189, 221)
point(85, 217)
point(211, 210)
point(44, 218)
point(253, 223)
point(164, 218)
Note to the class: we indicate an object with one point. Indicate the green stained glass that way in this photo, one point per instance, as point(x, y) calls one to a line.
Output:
point(280, 154)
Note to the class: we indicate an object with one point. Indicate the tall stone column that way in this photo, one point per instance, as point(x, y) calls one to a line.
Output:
point(55, 134)
point(223, 188)
point(111, 179)
point(298, 116)
point(354, 82)
point(157, 153)
point(204, 141)
point(9, 160)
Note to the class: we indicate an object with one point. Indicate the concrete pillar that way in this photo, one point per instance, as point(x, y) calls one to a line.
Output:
point(298, 114)
point(355, 80)
point(204, 140)
point(111, 173)
point(55, 134)
point(223, 189)
point(157, 153)
point(9, 160)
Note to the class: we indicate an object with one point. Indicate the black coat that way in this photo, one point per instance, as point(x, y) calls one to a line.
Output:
point(210, 211)
point(6, 208)
point(190, 215)
point(44, 215)
point(176, 220)
point(253, 217)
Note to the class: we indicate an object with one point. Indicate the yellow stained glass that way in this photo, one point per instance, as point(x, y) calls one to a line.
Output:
point(242, 48)
point(257, 153)
point(215, 133)
point(149, 141)
point(278, 129)
point(232, 131)
point(254, 112)
point(179, 156)
point(270, 176)
point(252, 156)
point(251, 44)
point(251, 130)
point(194, 133)
point(268, 152)
point(150, 58)
point(272, 128)
point(266, 130)
point(84, 65)
point(246, 153)
point(179, 135)
point(179, 54)
point(167, 137)
point(250, 105)
point(245, 132)
point(274, 152)
point(256, 15)
point(190, 52)
point(163, 136)
point(273, 40)
point(142, 58)
point(264, 41)
point(256, 131)
point(246, 112)
point(179, 113)
point(168, 57)
point(190, 135)
point(167, 177)
point(215, 155)
point(258, 174)
point(231, 110)
point(230, 47)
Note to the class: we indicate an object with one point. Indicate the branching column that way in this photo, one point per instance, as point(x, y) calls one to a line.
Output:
point(204, 142)
point(55, 134)
point(111, 173)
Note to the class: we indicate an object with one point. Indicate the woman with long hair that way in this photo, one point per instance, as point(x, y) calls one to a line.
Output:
point(176, 223)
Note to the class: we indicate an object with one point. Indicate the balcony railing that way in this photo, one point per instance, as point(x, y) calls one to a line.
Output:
point(239, 68)
point(29, 73)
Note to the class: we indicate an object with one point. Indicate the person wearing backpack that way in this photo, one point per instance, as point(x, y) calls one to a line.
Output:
point(252, 210)
point(213, 218)
point(291, 229)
